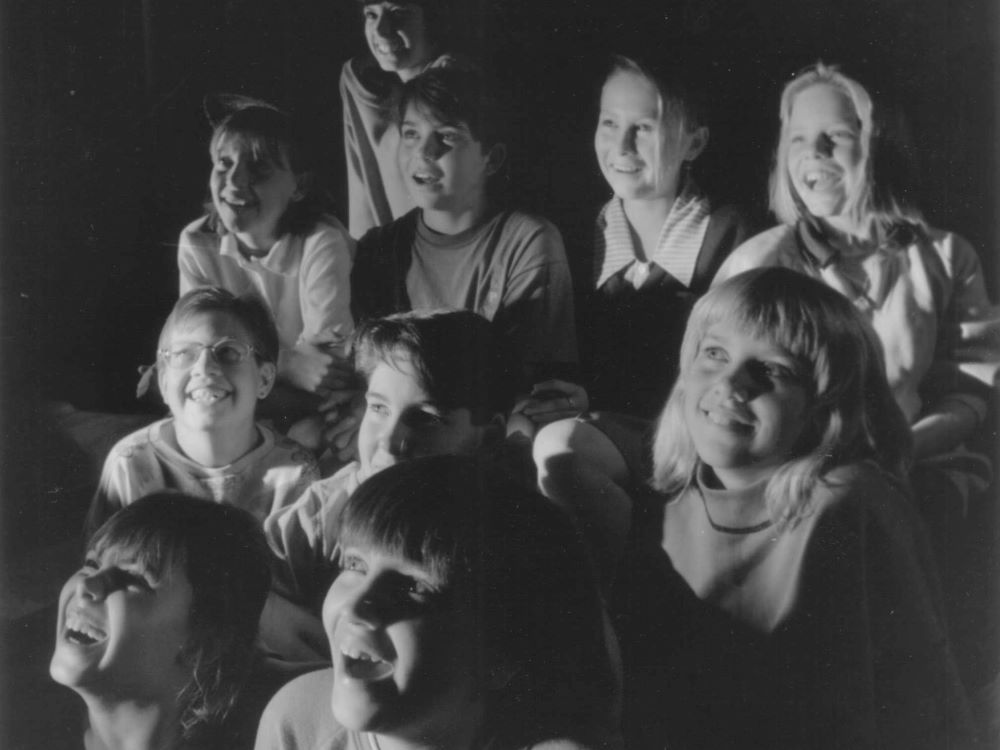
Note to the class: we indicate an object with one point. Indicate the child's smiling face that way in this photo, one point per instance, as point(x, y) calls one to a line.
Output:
point(210, 395)
point(444, 166)
point(746, 404)
point(403, 658)
point(641, 153)
point(250, 192)
point(402, 421)
point(397, 37)
point(121, 629)
point(825, 159)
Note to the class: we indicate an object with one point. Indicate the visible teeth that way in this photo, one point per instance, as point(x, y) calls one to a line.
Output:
point(819, 180)
point(626, 170)
point(725, 421)
point(78, 631)
point(424, 179)
point(358, 654)
point(206, 395)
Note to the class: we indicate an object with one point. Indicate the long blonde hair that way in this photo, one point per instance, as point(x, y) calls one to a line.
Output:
point(853, 414)
point(876, 201)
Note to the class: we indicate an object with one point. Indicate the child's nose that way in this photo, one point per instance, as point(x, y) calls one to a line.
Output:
point(431, 149)
point(823, 144)
point(385, 27)
point(95, 586)
point(206, 361)
point(626, 141)
point(362, 606)
point(239, 176)
point(738, 383)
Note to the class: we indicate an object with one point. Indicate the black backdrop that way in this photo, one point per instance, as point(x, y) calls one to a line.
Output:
point(105, 158)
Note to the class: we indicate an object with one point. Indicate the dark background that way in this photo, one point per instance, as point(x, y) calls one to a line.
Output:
point(104, 154)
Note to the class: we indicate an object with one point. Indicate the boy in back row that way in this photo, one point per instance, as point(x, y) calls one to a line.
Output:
point(457, 249)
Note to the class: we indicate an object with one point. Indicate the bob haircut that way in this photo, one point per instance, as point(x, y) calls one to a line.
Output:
point(222, 551)
point(458, 357)
point(271, 137)
point(248, 310)
point(853, 414)
point(515, 564)
point(681, 102)
point(458, 95)
point(878, 199)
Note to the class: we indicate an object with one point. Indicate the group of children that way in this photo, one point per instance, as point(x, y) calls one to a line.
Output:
point(370, 418)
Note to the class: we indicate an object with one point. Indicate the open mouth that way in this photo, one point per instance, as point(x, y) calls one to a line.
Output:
point(728, 421)
point(82, 633)
point(625, 168)
point(384, 47)
point(360, 664)
point(820, 179)
point(426, 179)
point(207, 396)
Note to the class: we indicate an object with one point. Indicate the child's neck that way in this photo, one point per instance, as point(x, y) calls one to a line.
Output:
point(646, 219)
point(215, 448)
point(454, 222)
point(252, 246)
point(460, 736)
point(131, 726)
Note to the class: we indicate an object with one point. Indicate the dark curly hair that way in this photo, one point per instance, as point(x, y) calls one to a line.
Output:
point(224, 555)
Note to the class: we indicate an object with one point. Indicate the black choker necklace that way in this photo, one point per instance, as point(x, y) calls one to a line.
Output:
point(730, 529)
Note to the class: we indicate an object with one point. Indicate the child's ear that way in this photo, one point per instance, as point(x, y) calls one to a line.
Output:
point(698, 143)
point(303, 184)
point(266, 374)
point(495, 158)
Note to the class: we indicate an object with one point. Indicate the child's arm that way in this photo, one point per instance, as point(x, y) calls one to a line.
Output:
point(193, 249)
point(958, 385)
point(360, 217)
point(537, 311)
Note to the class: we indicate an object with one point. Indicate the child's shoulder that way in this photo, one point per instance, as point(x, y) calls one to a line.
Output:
point(299, 716)
point(860, 489)
point(280, 449)
point(200, 230)
point(328, 230)
point(141, 443)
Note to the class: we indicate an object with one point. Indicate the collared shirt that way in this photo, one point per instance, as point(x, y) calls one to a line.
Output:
point(677, 247)
point(303, 279)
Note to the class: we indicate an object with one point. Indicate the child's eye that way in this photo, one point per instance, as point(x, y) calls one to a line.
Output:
point(843, 135)
point(370, 15)
point(352, 563)
point(645, 127)
point(778, 371)
point(450, 137)
point(378, 409)
point(409, 134)
point(607, 122)
point(715, 353)
point(427, 419)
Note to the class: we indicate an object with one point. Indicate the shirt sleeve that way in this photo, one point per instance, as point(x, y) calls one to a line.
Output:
point(192, 272)
point(537, 313)
point(325, 286)
point(967, 357)
point(112, 493)
point(360, 215)
point(303, 538)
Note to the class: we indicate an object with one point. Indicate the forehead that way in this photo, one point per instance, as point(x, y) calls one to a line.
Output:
point(397, 379)
point(823, 102)
point(210, 325)
point(628, 90)
point(256, 147)
point(747, 335)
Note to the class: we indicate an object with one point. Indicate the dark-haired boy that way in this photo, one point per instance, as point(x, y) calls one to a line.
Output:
point(457, 249)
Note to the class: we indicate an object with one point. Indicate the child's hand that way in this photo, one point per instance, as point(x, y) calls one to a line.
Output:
point(342, 412)
point(314, 369)
point(552, 400)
